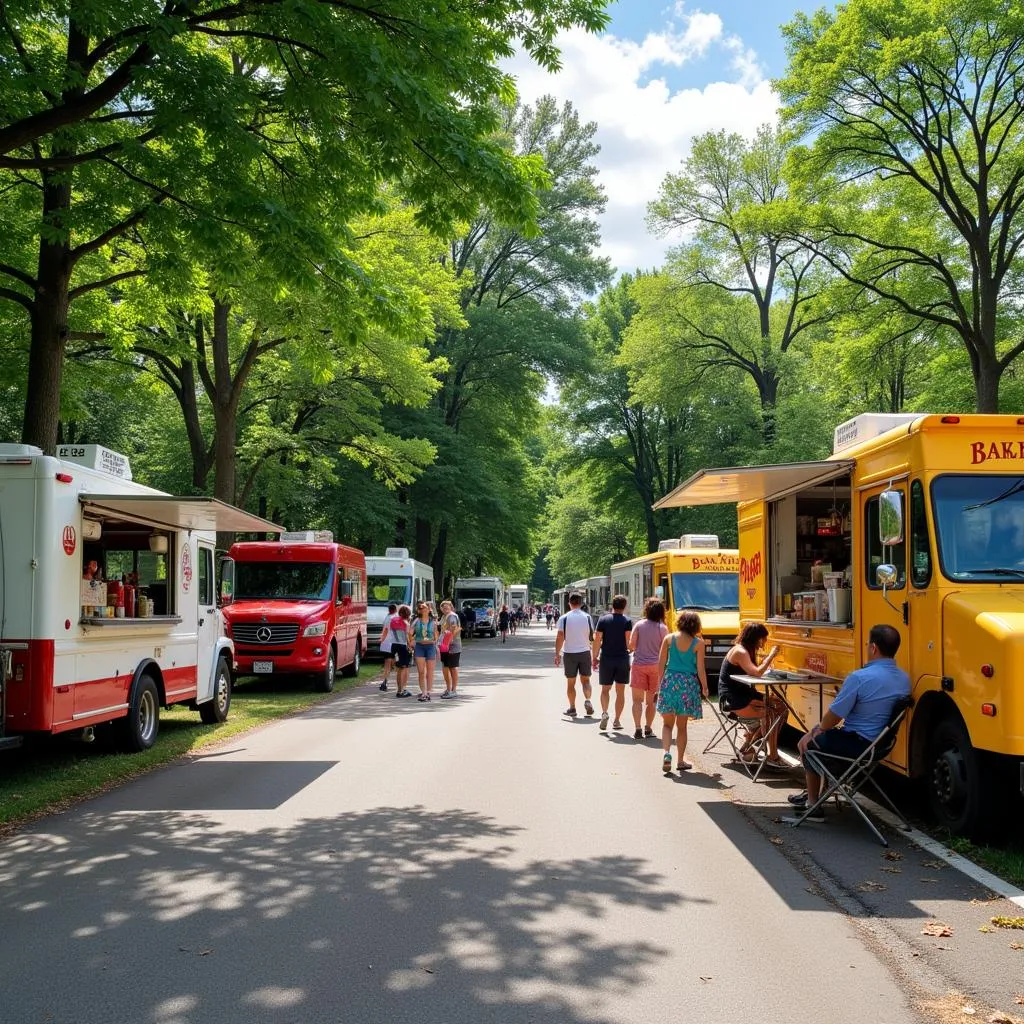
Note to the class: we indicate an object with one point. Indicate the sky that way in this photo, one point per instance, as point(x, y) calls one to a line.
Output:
point(661, 74)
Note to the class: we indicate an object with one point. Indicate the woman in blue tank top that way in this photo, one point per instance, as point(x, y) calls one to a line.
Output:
point(683, 683)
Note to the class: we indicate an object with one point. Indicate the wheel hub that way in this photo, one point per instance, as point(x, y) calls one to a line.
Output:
point(948, 778)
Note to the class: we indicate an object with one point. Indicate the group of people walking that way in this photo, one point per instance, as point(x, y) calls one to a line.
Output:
point(422, 639)
point(667, 676)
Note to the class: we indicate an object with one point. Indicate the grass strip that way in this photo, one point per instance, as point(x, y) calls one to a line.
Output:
point(1006, 861)
point(53, 772)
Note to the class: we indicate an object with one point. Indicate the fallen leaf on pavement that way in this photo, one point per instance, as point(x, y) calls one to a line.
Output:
point(777, 840)
point(205, 952)
point(932, 864)
point(985, 928)
point(870, 886)
point(704, 977)
point(428, 970)
point(1017, 945)
point(893, 855)
point(893, 871)
point(937, 929)
point(1008, 922)
point(929, 879)
point(776, 821)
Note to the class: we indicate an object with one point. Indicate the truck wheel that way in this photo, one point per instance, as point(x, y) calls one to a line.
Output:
point(956, 790)
point(215, 711)
point(352, 669)
point(325, 681)
point(139, 729)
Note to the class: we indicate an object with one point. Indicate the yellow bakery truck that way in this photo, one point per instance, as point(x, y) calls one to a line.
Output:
point(916, 521)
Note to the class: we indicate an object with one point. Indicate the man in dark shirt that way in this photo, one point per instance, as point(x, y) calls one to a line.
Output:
point(611, 657)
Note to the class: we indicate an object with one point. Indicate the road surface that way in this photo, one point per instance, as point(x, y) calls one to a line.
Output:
point(471, 861)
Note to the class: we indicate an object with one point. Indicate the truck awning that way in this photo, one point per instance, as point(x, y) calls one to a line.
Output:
point(752, 483)
point(179, 512)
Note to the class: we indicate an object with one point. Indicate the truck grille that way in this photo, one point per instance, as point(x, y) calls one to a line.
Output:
point(264, 634)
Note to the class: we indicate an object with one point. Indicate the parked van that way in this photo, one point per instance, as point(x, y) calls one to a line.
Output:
point(691, 573)
point(485, 595)
point(394, 578)
point(107, 597)
point(296, 606)
point(918, 521)
point(518, 596)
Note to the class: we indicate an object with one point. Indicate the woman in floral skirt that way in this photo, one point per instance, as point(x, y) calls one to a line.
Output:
point(683, 683)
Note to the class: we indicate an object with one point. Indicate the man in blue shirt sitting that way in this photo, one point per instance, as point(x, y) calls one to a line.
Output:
point(863, 706)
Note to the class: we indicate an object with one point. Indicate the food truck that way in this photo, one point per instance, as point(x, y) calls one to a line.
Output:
point(297, 606)
point(394, 578)
point(485, 595)
point(916, 521)
point(107, 597)
point(692, 572)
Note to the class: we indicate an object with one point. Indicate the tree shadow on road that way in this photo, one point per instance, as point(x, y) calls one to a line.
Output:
point(393, 914)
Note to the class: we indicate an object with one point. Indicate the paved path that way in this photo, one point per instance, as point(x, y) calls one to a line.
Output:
point(478, 860)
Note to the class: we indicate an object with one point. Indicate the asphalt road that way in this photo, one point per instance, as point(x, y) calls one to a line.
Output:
point(474, 860)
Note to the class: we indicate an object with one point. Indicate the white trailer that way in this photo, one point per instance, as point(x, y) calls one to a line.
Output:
point(80, 542)
point(485, 595)
point(394, 578)
point(518, 596)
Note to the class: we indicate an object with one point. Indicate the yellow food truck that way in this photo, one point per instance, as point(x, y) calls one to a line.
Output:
point(692, 573)
point(915, 521)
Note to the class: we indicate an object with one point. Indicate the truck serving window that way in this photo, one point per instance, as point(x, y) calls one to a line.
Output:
point(284, 581)
point(979, 526)
point(706, 591)
point(385, 590)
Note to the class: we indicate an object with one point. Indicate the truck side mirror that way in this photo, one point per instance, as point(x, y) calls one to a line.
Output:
point(886, 575)
point(890, 518)
point(226, 591)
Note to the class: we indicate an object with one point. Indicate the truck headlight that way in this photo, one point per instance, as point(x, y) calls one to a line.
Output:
point(317, 629)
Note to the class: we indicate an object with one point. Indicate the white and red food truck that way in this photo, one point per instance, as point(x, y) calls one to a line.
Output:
point(107, 597)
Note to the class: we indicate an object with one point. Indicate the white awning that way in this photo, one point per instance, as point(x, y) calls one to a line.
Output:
point(179, 512)
point(752, 483)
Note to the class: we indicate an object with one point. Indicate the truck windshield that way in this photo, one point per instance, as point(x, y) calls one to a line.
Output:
point(706, 591)
point(283, 581)
point(385, 590)
point(476, 603)
point(979, 524)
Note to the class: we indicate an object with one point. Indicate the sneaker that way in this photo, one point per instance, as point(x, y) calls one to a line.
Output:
point(588, 708)
point(639, 734)
point(383, 686)
point(648, 732)
point(423, 698)
point(447, 695)
point(403, 693)
point(571, 712)
point(616, 724)
point(798, 799)
point(666, 764)
point(604, 722)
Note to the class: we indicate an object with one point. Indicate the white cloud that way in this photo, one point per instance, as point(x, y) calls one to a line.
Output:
point(645, 128)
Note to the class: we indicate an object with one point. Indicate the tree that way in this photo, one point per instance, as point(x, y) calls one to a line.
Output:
point(914, 114)
point(118, 112)
point(744, 289)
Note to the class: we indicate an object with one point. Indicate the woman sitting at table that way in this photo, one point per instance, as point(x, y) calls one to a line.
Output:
point(741, 699)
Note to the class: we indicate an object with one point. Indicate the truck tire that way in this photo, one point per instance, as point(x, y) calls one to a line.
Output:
point(140, 728)
point(215, 711)
point(352, 669)
point(325, 680)
point(958, 795)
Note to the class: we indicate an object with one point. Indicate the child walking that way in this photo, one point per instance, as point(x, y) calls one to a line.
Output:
point(683, 681)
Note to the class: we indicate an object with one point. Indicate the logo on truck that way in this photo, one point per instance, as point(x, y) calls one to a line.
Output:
point(997, 450)
point(69, 539)
point(750, 568)
point(263, 634)
point(186, 566)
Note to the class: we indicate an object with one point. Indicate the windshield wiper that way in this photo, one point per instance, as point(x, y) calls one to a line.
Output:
point(997, 571)
point(1008, 493)
point(700, 608)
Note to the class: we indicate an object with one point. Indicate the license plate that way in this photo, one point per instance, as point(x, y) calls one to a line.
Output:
point(262, 667)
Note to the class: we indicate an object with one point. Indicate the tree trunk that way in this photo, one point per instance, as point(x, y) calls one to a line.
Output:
point(768, 389)
point(49, 319)
point(986, 384)
point(440, 554)
point(423, 536)
point(651, 522)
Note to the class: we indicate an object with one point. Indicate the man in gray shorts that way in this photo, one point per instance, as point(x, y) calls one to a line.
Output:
point(572, 649)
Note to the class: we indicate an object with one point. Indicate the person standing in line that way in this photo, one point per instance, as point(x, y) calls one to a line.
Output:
point(550, 616)
point(513, 620)
point(503, 623)
point(645, 644)
point(385, 645)
point(683, 682)
point(451, 649)
point(424, 638)
point(400, 649)
point(470, 620)
point(610, 655)
point(573, 640)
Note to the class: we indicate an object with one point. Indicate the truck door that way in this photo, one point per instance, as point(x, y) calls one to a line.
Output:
point(208, 620)
point(891, 607)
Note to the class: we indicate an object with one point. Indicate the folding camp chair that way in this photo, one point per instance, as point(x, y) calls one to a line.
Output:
point(845, 777)
point(729, 727)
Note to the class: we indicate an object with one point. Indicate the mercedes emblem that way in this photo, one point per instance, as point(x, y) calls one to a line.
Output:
point(263, 634)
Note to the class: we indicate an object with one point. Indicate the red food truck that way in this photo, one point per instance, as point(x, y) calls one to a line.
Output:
point(296, 606)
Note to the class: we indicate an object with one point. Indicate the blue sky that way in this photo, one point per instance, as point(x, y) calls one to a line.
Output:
point(664, 72)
